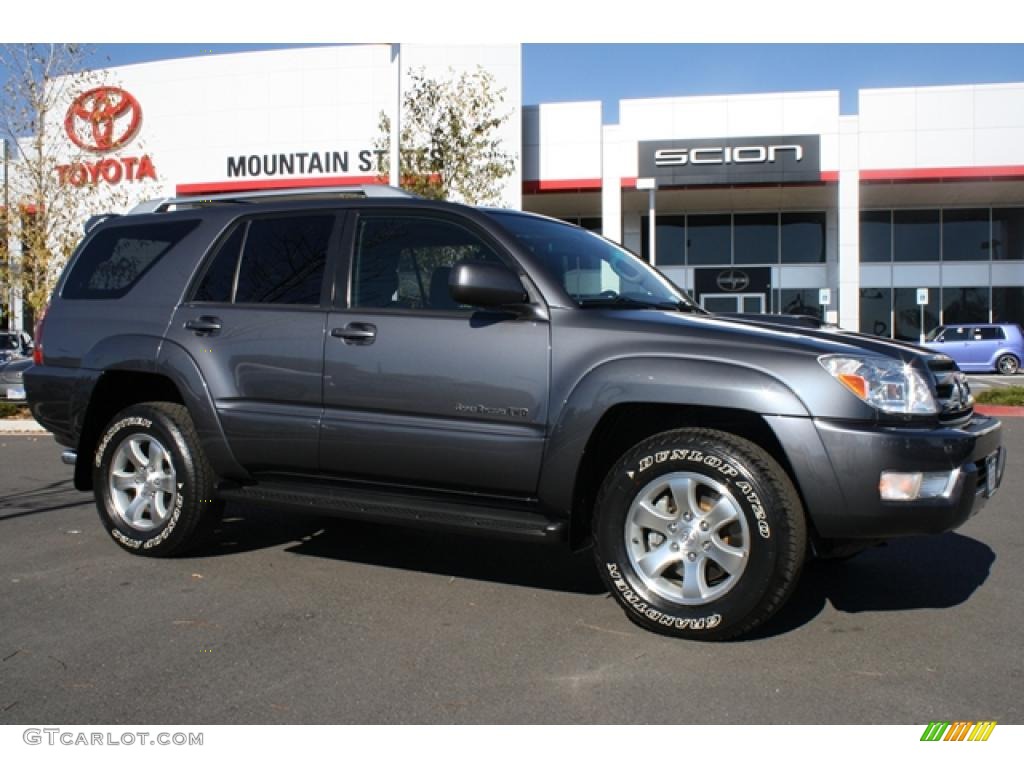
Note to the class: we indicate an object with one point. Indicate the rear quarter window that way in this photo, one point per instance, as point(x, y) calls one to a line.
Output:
point(114, 260)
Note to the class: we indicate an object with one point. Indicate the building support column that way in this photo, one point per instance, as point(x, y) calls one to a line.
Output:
point(849, 223)
point(611, 184)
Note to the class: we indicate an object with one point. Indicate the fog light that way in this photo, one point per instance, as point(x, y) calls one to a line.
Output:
point(909, 486)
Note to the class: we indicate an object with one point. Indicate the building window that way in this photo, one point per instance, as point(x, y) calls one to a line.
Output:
point(916, 235)
point(876, 236)
point(800, 301)
point(756, 238)
point(964, 305)
point(803, 238)
point(875, 310)
point(965, 234)
point(709, 240)
point(671, 234)
point(907, 313)
point(1008, 304)
point(1007, 234)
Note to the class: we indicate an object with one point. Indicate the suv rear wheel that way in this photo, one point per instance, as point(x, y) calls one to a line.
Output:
point(699, 534)
point(153, 485)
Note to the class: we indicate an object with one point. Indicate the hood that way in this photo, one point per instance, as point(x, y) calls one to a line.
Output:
point(815, 329)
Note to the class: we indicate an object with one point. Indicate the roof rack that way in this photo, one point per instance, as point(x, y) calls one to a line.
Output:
point(161, 204)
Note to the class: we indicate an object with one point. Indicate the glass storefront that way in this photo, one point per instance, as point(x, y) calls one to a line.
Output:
point(940, 236)
point(721, 239)
point(949, 234)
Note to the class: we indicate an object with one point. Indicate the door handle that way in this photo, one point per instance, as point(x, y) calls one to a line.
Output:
point(204, 325)
point(356, 333)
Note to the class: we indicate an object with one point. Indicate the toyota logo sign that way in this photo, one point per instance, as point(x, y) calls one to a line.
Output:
point(733, 280)
point(103, 119)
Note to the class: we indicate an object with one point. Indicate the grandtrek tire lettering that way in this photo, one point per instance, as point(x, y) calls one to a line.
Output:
point(698, 533)
point(664, 620)
point(130, 422)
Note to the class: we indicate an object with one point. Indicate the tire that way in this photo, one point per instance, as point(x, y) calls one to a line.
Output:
point(1007, 364)
point(715, 563)
point(154, 487)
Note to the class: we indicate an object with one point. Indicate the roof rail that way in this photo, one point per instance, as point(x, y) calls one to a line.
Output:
point(99, 218)
point(161, 204)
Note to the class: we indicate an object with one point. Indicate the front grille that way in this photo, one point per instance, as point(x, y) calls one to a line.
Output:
point(952, 390)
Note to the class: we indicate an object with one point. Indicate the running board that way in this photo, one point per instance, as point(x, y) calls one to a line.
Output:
point(514, 521)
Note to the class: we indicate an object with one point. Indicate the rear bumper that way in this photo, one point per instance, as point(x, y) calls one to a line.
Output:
point(842, 488)
point(58, 398)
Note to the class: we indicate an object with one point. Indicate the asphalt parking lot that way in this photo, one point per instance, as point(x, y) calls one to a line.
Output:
point(309, 620)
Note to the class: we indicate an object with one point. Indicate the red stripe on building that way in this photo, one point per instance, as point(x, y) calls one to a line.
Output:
point(972, 173)
point(541, 186)
point(253, 185)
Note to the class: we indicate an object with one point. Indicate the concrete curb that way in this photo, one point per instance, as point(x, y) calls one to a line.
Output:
point(21, 427)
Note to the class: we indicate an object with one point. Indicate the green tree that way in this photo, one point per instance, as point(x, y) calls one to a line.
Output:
point(44, 214)
point(450, 147)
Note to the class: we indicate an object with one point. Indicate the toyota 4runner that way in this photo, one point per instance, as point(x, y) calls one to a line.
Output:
point(401, 360)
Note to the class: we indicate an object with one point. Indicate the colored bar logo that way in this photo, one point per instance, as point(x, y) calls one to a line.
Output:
point(961, 730)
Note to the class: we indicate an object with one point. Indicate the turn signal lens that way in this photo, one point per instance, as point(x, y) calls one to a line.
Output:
point(856, 384)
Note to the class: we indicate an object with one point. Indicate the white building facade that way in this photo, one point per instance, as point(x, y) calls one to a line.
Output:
point(780, 203)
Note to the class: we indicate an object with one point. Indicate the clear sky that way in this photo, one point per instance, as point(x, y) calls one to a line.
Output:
point(609, 72)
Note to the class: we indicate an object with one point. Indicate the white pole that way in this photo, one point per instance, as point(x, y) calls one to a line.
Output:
point(394, 177)
point(651, 226)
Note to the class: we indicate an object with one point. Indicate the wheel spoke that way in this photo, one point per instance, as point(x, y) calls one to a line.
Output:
point(654, 563)
point(646, 515)
point(158, 509)
point(722, 513)
point(138, 456)
point(731, 559)
point(694, 584)
point(684, 492)
point(124, 480)
point(134, 511)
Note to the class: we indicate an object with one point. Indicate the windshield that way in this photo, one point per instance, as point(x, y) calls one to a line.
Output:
point(934, 333)
point(594, 271)
point(9, 341)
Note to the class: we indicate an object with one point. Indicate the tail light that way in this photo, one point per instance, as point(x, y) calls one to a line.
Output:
point(37, 350)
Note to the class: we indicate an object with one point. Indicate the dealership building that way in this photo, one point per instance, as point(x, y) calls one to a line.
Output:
point(768, 202)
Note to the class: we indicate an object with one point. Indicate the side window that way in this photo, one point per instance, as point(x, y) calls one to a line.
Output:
point(989, 333)
point(405, 261)
point(117, 257)
point(218, 284)
point(277, 260)
point(956, 334)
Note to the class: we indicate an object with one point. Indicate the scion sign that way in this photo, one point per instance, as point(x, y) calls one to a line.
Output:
point(761, 159)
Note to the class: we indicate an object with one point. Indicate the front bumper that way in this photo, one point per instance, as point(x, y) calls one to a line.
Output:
point(840, 484)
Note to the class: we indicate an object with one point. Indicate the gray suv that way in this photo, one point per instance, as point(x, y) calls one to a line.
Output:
point(375, 356)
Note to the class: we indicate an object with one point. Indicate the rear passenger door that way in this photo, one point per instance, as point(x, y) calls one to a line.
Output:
point(254, 324)
point(419, 390)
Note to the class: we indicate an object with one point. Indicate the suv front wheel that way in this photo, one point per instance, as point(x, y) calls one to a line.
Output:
point(152, 482)
point(699, 534)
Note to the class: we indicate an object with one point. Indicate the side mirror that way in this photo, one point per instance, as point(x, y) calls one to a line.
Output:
point(485, 284)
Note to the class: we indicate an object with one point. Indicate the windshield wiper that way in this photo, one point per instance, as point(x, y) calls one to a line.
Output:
point(627, 302)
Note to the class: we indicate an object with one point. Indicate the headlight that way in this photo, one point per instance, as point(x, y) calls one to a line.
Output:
point(888, 385)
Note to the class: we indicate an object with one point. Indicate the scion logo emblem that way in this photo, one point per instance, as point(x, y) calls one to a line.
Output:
point(103, 119)
point(733, 280)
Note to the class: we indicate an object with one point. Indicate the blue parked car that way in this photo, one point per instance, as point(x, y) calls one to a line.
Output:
point(980, 346)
